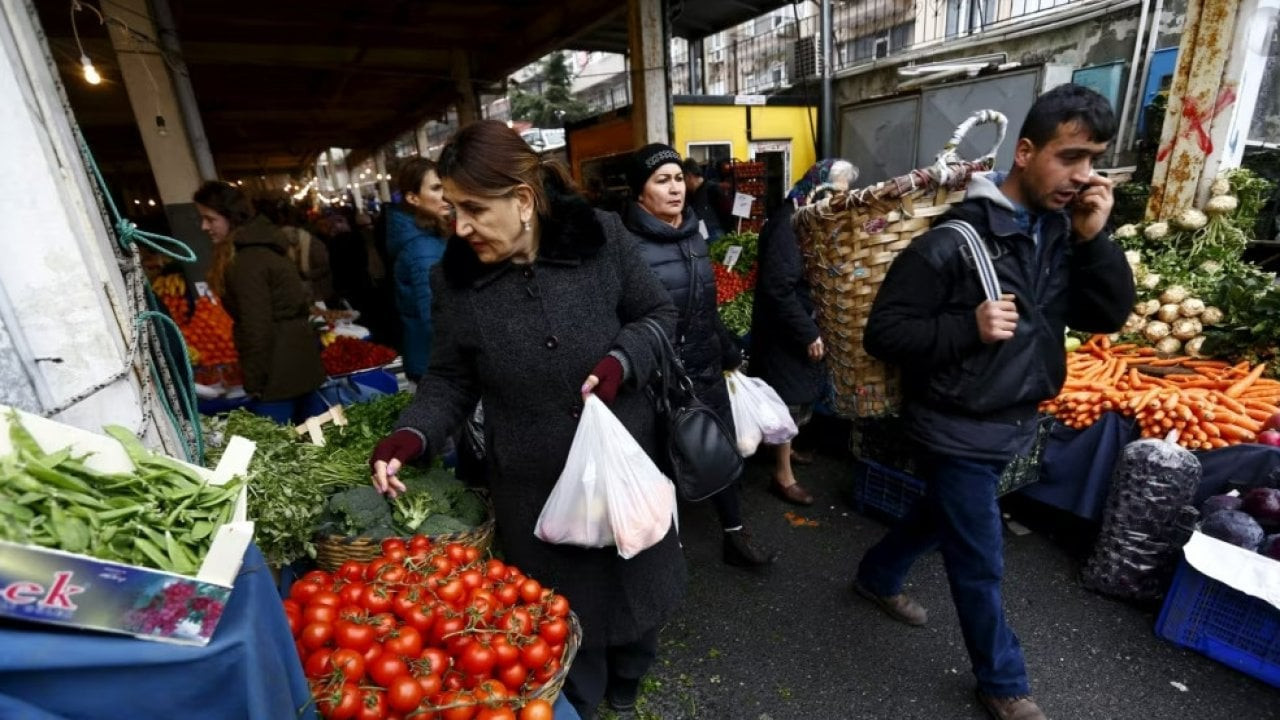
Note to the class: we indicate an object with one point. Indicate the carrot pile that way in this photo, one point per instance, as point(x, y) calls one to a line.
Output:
point(1211, 403)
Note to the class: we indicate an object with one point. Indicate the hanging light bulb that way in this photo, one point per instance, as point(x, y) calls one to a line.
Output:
point(91, 75)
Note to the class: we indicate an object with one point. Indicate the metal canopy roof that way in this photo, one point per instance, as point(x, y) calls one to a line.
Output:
point(278, 81)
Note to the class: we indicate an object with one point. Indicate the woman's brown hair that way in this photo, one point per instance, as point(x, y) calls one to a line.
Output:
point(409, 180)
point(488, 158)
point(226, 200)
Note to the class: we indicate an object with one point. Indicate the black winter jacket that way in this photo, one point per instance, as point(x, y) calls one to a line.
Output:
point(523, 338)
point(681, 259)
point(782, 324)
point(964, 397)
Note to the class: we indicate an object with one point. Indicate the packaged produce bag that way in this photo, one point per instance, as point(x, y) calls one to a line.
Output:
point(610, 492)
point(759, 415)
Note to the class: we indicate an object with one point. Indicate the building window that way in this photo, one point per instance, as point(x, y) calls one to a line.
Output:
point(709, 154)
point(969, 16)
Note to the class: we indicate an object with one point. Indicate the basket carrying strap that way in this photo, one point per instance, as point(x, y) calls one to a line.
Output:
point(981, 257)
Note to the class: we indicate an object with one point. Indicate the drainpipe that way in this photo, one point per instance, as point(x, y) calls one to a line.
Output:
point(1140, 38)
point(826, 111)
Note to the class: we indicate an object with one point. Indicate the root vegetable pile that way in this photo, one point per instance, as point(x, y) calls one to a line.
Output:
point(428, 632)
point(1211, 403)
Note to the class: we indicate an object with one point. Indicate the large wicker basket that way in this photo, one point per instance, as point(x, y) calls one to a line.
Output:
point(850, 239)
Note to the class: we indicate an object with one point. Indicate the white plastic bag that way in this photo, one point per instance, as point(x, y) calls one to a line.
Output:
point(610, 492)
point(759, 415)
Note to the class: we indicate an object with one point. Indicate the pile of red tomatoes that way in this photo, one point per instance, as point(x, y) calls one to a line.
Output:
point(429, 633)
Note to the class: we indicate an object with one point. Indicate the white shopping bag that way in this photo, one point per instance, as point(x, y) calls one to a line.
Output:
point(759, 415)
point(610, 492)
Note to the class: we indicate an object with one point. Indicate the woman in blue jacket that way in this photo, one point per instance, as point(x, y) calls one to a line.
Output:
point(416, 233)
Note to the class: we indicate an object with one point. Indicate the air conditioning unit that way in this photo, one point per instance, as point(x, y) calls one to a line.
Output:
point(804, 59)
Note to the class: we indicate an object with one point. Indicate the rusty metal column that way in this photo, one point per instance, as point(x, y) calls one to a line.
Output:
point(1197, 97)
point(646, 40)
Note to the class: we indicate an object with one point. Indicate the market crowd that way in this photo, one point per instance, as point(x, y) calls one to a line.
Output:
point(502, 286)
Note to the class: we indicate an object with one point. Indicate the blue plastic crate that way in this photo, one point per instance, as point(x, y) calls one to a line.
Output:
point(884, 490)
point(1227, 625)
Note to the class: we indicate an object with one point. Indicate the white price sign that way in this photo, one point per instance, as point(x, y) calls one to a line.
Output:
point(742, 205)
point(732, 255)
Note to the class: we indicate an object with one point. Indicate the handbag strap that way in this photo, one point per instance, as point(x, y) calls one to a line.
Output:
point(981, 257)
point(671, 373)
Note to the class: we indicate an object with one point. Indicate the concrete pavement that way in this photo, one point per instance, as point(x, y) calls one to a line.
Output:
point(792, 642)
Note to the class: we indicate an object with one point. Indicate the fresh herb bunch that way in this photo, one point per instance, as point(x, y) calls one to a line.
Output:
point(1253, 191)
point(736, 314)
point(1251, 302)
point(290, 481)
point(750, 243)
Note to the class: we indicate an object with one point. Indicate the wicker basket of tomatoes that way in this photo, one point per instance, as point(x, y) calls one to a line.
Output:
point(431, 630)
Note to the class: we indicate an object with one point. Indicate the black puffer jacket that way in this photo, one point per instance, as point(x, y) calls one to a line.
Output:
point(971, 399)
point(681, 259)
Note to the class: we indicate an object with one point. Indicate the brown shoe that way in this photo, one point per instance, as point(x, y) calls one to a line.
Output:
point(900, 607)
point(1021, 707)
point(792, 493)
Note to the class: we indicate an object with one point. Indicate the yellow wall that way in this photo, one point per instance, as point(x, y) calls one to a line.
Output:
point(728, 123)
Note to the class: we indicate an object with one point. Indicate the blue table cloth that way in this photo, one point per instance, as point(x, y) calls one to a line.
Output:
point(249, 671)
point(1075, 474)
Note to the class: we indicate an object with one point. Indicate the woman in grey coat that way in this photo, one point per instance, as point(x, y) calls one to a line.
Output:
point(538, 300)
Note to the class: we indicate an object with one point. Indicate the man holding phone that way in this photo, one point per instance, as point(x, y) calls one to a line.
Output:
point(976, 366)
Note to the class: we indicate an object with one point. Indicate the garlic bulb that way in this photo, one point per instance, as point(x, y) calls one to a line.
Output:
point(1151, 281)
point(1220, 186)
point(1168, 346)
point(1155, 331)
point(1147, 308)
point(1168, 313)
point(1222, 205)
point(1210, 267)
point(1193, 346)
point(1186, 328)
point(1126, 232)
point(1156, 231)
point(1191, 307)
point(1211, 316)
point(1173, 294)
point(1133, 257)
point(1134, 324)
point(1190, 219)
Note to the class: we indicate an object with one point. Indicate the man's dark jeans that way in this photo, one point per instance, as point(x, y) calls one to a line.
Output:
point(958, 515)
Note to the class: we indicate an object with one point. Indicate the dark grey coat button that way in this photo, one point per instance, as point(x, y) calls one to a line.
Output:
point(552, 343)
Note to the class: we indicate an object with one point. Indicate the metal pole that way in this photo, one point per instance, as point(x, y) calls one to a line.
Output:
point(826, 111)
point(163, 18)
point(1140, 38)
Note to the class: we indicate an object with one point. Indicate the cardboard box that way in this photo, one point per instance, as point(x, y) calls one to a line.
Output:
point(53, 586)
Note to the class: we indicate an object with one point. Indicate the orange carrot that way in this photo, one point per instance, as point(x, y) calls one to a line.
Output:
point(1248, 380)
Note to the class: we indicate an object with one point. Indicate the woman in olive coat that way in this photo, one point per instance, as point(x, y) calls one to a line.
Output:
point(279, 351)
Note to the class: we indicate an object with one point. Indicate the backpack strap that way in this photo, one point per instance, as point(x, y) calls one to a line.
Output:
point(981, 256)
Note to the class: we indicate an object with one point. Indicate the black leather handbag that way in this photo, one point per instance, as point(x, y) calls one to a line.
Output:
point(696, 450)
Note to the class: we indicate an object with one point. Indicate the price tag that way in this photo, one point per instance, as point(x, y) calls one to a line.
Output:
point(732, 255)
point(702, 229)
point(202, 290)
point(742, 205)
